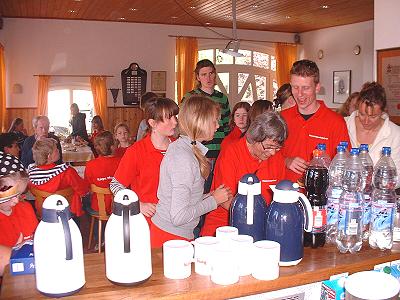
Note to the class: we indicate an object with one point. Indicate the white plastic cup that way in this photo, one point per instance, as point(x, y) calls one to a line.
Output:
point(224, 266)
point(204, 248)
point(225, 233)
point(243, 247)
point(177, 258)
point(266, 257)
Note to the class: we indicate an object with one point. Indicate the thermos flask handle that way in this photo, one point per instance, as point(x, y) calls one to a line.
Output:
point(67, 234)
point(308, 214)
point(126, 229)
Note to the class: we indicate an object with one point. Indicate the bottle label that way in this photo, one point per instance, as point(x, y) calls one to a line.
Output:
point(332, 211)
point(367, 213)
point(348, 217)
point(352, 227)
point(382, 215)
point(319, 219)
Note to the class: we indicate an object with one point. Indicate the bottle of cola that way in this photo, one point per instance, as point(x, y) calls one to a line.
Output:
point(316, 184)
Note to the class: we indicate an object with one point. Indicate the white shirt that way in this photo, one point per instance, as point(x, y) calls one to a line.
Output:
point(388, 136)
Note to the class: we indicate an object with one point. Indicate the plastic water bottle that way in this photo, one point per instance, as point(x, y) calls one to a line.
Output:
point(383, 202)
point(349, 230)
point(368, 171)
point(325, 156)
point(336, 172)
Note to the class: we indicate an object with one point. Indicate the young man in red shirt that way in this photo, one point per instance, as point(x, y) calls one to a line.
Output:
point(309, 122)
point(257, 153)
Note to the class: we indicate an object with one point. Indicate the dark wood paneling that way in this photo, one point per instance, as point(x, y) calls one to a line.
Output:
point(129, 115)
point(251, 14)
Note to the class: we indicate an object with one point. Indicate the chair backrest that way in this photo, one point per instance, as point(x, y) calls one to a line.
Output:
point(100, 193)
point(40, 196)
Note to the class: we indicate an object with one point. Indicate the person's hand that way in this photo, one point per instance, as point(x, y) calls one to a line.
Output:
point(296, 164)
point(222, 194)
point(147, 209)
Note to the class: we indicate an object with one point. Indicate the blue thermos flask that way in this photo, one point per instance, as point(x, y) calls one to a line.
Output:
point(289, 214)
point(248, 209)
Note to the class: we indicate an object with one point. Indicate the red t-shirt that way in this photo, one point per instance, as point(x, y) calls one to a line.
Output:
point(231, 165)
point(120, 151)
point(233, 136)
point(99, 171)
point(139, 169)
point(66, 179)
point(22, 220)
point(325, 126)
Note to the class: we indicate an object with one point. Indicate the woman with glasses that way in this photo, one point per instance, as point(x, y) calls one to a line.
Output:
point(370, 124)
point(257, 153)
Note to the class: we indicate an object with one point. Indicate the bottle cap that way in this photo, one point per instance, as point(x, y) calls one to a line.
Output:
point(317, 153)
point(340, 148)
point(354, 151)
point(364, 147)
point(386, 150)
point(321, 146)
point(344, 143)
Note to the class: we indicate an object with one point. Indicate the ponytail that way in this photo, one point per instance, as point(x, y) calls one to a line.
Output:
point(204, 164)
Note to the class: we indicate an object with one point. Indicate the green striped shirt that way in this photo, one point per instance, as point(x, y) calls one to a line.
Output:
point(214, 146)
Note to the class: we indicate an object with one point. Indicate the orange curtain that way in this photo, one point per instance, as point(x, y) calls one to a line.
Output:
point(43, 90)
point(2, 90)
point(99, 90)
point(186, 59)
point(286, 55)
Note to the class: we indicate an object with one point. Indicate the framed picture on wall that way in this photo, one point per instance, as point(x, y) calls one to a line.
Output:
point(388, 74)
point(341, 86)
point(158, 80)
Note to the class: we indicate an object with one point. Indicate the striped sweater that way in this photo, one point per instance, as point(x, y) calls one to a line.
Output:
point(214, 146)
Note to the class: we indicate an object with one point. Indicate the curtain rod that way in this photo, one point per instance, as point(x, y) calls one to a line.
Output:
point(228, 39)
point(57, 75)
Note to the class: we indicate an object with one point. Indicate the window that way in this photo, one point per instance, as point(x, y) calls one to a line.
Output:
point(247, 78)
point(59, 102)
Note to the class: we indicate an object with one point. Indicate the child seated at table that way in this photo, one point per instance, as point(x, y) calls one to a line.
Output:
point(46, 176)
point(122, 139)
point(17, 218)
point(99, 171)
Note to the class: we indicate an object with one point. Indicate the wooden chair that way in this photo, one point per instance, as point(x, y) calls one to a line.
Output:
point(100, 215)
point(40, 196)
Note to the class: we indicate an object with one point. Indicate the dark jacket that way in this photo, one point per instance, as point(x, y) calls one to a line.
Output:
point(79, 126)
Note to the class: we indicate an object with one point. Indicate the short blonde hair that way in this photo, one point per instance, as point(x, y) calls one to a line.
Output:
point(195, 117)
point(42, 149)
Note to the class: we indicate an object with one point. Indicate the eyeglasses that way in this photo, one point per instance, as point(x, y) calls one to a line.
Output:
point(270, 147)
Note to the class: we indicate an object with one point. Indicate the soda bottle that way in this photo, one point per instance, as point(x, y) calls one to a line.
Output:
point(368, 170)
point(316, 184)
point(349, 226)
point(336, 172)
point(325, 156)
point(383, 202)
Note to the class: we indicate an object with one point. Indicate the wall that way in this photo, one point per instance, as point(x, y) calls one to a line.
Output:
point(337, 44)
point(386, 18)
point(89, 47)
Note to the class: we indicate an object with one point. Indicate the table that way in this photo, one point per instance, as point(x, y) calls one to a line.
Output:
point(318, 264)
point(76, 154)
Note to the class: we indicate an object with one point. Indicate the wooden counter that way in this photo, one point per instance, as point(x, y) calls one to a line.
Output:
point(317, 265)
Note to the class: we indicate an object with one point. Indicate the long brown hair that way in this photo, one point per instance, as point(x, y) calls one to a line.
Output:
point(238, 105)
point(195, 117)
